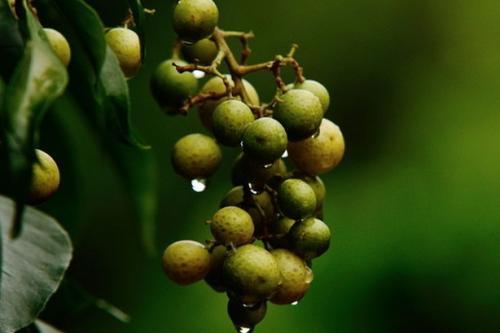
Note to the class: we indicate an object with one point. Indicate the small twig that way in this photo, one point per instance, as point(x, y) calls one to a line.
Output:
point(129, 20)
point(150, 11)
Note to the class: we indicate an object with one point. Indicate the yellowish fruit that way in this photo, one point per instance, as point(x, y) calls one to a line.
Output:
point(127, 48)
point(59, 44)
point(45, 180)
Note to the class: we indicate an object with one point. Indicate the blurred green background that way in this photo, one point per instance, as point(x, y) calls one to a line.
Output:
point(414, 207)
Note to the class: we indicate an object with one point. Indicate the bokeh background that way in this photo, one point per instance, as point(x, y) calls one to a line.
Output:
point(414, 207)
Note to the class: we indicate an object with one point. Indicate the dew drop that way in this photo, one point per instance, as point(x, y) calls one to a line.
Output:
point(198, 74)
point(199, 184)
point(241, 143)
point(244, 329)
point(267, 166)
point(254, 189)
point(249, 305)
point(315, 135)
point(285, 154)
point(294, 303)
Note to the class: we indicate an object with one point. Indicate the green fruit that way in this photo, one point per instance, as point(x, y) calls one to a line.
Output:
point(320, 153)
point(318, 90)
point(248, 171)
point(232, 225)
point(296, 277)
point(264, 140)
point(309, 238)
point(296, 199)
point(214, 276)
point(246, 316)
point(186, 262)
point(230, 119)
point(127, 48)
point(259, 206)
point(195, 19)
point(216, 86)
point(203, 51)
point(196, 156)
point(45, 179)
point(59, 44)
point(317, 185)
point(279, 229)
point(171, 88)
point(300, 113)
point(251, 274)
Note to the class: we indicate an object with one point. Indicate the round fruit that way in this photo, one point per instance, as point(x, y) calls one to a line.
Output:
point(300, 113)
point(320, 153)
point(318, 90)
point(203, 51)
point(216, 86)
point(127, 48)
point(195, 19)
point(251, 274)
point(264, 140)
point(247, 171)
point(296, 277)
point(230, 119)
point(45, 179)
point(214, 276)
point(59, 44)
point(296, 199)
point(244, 316)
point(186, 262)
point(171, 88)
point(309, 238)
point(196, 156)
point(279, 229)
point(317, 185)
point(232, 225)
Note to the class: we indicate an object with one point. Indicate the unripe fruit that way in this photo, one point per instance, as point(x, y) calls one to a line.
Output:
point(59, 44)
point(251, 274)
point(279, 229)
point(186, 262)
point(296, 277)
point(300, 113)
point(195, 19)
point(296, 199)
point(309, 238)
point(214, 275)
point(230, 119)
point(203, 51)
point(246, 316)
point(232, 225)
point(216, 85)
point(317, 185)
point(265, 140)
point(248, 171)
point(196, 156)
point(127, 48)
point(171, 88)
point(318, 90)
point(45, 179)
point(320, 153)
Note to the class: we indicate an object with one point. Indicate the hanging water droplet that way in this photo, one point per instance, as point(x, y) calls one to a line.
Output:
point(199, 184)
point(254, 189)
point(199, 74)
point(241, 143)
point(294, 303)
point(285, 154)
point(315, 135)
point(249, 305)
point(244, 329)
point(267, 166)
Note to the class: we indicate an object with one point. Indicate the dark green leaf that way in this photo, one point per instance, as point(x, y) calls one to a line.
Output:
point(138, 14)
point(39, 78)
point(34, 265)
point(11, 43)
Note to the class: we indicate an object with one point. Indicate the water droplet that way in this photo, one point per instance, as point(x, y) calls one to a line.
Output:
point(244, 329)
point(285, 154)
point(309, 275)
point(186, 42)
point(294, 303)
point(199, 185)
point(315, 135)
point(267, 166)
point(241, 143)
point(254, 189)
point(249, 305)
point(199, 74)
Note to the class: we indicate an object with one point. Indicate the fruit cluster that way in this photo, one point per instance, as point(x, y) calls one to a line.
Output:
point(268, 227)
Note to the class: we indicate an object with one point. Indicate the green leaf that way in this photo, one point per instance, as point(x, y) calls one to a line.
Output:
point(11, 43)
point(33, 266)
point(138, 14)
point(39, 78)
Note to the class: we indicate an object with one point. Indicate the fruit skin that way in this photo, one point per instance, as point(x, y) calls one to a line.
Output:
point(300, 113)
point(229, 121)
point(186, 262)
point(296, 277)
point(203, 51)
point(318, 90)
point(214, 276)
point(251, 274)
point(296, 199)
point(248, 171)
point(196, 156)
point(216, 85)
point(243, 316)
point(127, 48)
point(279, 229)
point(232, 225)
point(321, 153)
point(317, 185)
point(264, 140)
point(309, 238)
point(195, 19)
point(45, 179)
point(171, 88)
point(59, 44)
